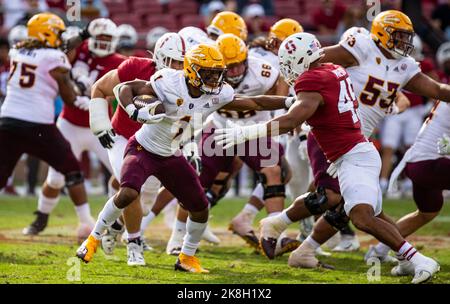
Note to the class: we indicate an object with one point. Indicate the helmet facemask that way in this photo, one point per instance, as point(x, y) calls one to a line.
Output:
point(209, 80)
point(288, 73)
point(102, 45)
point(239, 70)
point(400, 42)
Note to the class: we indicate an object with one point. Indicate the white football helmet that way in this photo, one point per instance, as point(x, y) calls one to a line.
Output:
point(443, 53)
point(296, 53)
point(153, 35)
point(127, 35)
point(170, 46)
point(17, 34)
point(102, 27)
point(193, 36)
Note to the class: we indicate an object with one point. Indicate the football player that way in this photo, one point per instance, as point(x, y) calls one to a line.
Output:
point(227, 23)
point(39, 70)
point(187, 96)
point(326, 100)
point(92, 59)
point(428, 167)
point(114, 135)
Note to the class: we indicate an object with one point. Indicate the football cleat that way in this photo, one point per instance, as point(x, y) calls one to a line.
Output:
point(372, 253)
point(146, 246)
point(321, 252)
point(109, 240)
point(404, 268)
point(87, 249)
point(285, 244)
point(271, 229)
point(304, 257)
point(38, 225)
point(189, 264)
point(425, 271)
point(210, 237)
point(348, 243)
point(135, 254)
point(241, 225)
point(175, 242)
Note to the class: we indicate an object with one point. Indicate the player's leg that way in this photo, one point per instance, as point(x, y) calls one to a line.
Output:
point(362, 194)
point(391, 135)
point(178, 232)
point(9, 157)
point(138, 164)
point(186, 187)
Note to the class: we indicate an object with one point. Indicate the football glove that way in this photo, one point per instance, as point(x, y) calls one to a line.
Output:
point(443, 145)
point(332, 170)
point(143, 115)
point(82, 102)
point(106, 138)
point(239, 134)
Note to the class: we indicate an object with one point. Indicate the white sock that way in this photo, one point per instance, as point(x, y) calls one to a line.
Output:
point(382, 248)
point(274, 213)
point(84, 213)
point(409, 253)
point(106, 218)
point(179, 226)
point(259, 192)
point(133, 235)
point(312, 242)
point(47, 204)
point(285, 218)
point(194, 233)
point(146, 220)
point(249, 208)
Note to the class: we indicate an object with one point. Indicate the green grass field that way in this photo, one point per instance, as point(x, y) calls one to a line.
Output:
point(48, 258)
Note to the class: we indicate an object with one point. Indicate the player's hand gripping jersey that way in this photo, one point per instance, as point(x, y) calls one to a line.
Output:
point(183, 113)
point(259, 79)
point(31, 90)
point(376, 79)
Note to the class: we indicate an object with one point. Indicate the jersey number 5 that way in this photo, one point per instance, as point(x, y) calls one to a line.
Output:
point(27, 76)
point(372, 91)
point(347, 99)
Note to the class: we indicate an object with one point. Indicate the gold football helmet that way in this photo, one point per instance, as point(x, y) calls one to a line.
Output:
point(204, 68)
point(228, 23)
point(285, 28)
point(394, 31)
point(46, 28)
point(234, 52)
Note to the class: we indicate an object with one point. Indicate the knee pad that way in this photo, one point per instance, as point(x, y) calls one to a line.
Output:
point(337, 218)
point(74, 178)
point(55, 179)
point(316, 202)
point(272, 190)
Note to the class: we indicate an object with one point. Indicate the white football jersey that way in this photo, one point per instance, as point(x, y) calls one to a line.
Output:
point(259, 78)
point(185, 114)
point(262, 53)
point(31, 90)
point(436, 125)
point(376, 79)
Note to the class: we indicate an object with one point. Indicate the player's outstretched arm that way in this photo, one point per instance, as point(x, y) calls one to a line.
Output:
point(304, 108)
point(423, 85)
point(259, 103)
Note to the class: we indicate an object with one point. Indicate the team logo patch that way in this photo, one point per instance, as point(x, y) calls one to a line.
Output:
point(403, 67)
point(180, 101)
point(191, 106)
point(378, 60)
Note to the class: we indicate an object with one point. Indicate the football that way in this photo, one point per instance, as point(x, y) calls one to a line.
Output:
point(141, 101)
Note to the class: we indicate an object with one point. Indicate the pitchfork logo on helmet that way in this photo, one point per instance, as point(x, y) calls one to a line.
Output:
point(104, 37)
point(296, 54)
point(204, 68)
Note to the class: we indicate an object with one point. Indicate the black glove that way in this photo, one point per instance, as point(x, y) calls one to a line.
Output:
point(106, 138)
point(84, 33)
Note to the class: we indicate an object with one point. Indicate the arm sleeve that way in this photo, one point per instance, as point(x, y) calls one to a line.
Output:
point(357, 45)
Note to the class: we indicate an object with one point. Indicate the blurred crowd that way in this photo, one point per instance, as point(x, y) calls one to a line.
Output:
point(142, 22)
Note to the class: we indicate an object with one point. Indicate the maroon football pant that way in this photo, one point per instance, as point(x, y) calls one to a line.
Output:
point(43, 141)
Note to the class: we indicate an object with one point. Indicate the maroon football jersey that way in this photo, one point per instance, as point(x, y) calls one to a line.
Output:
point(130, 69)
point(335, 124)
point(99, 65)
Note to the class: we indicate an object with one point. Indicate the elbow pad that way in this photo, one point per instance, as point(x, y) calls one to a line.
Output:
point(99, 115)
